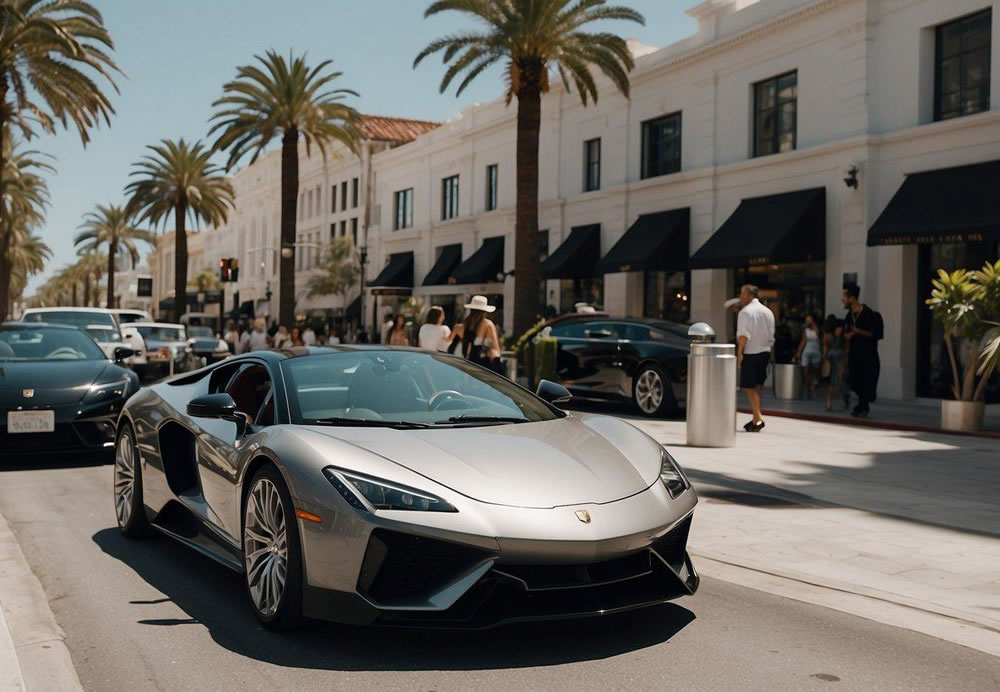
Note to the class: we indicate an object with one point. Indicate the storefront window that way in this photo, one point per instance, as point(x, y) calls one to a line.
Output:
point(792, 291)
point(934, 377)
point(589, 290)
point(666, 296)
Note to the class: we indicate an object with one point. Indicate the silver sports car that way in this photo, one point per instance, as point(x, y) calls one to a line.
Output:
point(402, 487)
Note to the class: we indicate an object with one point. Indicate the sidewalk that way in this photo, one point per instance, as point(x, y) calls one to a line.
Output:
point(916, 415)
point(904, 518)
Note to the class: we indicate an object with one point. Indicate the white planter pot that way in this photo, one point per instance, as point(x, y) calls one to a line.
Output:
point(964, 416)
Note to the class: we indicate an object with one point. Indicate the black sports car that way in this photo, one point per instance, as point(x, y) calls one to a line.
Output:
point(627, 359)
point(58, 391)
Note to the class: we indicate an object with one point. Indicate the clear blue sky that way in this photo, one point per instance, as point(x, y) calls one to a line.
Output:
point(178, 53)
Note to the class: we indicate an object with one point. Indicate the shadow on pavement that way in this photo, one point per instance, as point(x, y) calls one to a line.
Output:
point(213, 596)
point(44, 462)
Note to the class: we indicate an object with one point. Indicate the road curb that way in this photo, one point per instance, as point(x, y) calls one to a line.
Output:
point(29, 633)
point(879, 606)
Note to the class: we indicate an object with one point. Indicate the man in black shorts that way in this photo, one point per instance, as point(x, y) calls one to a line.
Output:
point(755, 339)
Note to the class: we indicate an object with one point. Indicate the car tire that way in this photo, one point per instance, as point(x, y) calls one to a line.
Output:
point(651, 392)
point(129, 509)
point(268, 524)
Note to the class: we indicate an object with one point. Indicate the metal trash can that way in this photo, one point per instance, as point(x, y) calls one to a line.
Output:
point(711, 390)
point(787, 381)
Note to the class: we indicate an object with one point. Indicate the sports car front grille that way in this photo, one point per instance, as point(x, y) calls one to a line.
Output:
point(399, 567)
point(66, 437)
point(548, 577)
point(671, 545)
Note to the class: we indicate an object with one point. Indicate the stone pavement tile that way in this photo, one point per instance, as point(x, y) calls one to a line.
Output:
point(879, 548)
point(885, 565)
point(824, 549)
point(943, 578)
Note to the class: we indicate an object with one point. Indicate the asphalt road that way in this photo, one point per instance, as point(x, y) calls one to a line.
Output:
point(149, 614)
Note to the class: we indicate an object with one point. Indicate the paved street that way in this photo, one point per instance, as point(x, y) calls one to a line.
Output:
point(152, 615)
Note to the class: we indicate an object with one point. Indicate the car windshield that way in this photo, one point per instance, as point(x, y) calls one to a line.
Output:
point(76, 318)
point(47, 343)
point(407, 387)
point(201, 332)
point(161, 333)
point(129, 317)
point(100, 332)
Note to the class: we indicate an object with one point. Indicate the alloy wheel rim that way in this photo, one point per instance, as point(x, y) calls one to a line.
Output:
point(124, 479)
point(649, 391)
point(265, 546)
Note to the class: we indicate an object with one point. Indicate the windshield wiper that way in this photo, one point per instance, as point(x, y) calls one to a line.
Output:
point(483, 419)
point(369, 423)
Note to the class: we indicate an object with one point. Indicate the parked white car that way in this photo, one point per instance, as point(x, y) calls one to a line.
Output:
point(101, 324)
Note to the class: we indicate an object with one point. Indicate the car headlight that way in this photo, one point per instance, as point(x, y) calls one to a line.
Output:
point(369, 494)
point(106, 392)
point(672, 475)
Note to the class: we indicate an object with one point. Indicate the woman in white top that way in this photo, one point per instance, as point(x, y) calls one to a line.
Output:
point(810, 354)
point(434, 334)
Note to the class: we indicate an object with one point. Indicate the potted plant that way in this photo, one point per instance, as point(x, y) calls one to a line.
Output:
point(966, 304)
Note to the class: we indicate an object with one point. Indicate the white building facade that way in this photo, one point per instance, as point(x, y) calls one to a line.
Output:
point(746, 134)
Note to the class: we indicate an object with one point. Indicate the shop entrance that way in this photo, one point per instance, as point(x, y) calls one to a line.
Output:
point(933, 369)
point(792, 291)
point(666, 295)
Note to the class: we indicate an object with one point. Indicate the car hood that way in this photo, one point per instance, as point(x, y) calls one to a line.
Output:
point(568, 461)
point(54, 382)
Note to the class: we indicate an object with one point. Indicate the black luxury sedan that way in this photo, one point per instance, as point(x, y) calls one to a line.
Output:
point(59, 393)
point(629, 359)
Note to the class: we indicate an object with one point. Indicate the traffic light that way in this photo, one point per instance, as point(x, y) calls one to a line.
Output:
point(229, 269)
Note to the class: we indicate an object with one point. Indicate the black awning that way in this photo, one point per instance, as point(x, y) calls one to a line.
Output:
point(484, 266)
point(775, 229)
point(654, 241)
point(190, 298)
point(447, 262)
point(353, 311)
point(397, 277)
point(948, 205)
point(578, 255)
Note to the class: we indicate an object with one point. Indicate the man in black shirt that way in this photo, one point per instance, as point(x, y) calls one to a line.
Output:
point(862, 331)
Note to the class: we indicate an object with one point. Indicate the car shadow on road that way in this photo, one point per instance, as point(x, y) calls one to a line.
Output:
point(45, 462)
point(213, 596)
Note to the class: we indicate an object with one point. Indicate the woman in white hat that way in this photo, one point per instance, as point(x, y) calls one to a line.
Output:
point(478, 335)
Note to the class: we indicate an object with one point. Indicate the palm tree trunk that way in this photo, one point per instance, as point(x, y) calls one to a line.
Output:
point(73, 296)
point(86, 289)
point(5, 272)
point(526, 276)
point(180, 261)
point(289, 193)
point(112, 249)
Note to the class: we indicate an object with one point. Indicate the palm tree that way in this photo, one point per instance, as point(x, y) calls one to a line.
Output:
point(52, 56)
point(28, 254)
point(533, 37)
point(286, 98)
point(178, 177)
point(110, 225)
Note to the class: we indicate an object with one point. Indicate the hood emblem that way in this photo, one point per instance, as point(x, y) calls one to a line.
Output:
point(28, 393)
point(583, 515)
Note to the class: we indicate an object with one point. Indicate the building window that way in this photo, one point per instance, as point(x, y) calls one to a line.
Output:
point(661, 145)
point(354, 230)
point(402, 205)
point(492, 173)
point(592, 165)
point(962, 67)
point(449, 198)
point(343, 196)
point(333, 230)
point(354, 193)
point(333, 199)
point(775, 114)
point(343, 228)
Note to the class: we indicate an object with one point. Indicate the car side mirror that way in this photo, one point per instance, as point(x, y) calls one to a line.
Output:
point(553, 392)
point(219, 405)
point(122, 353)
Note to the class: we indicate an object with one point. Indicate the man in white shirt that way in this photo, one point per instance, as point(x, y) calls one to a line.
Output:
point(755, 339)
point(309, 337)
point(259, 340)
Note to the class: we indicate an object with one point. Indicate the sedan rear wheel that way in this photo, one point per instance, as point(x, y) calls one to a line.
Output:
point(651, 392)
point(128, 486)
point(271, 552)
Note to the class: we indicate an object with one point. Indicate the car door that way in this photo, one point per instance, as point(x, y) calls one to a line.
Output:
point(587, 351)
point(219, 457)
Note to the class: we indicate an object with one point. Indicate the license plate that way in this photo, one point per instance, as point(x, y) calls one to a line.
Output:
point(31, 421)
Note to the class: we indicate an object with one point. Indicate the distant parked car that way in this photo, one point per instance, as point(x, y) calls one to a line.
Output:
point(205, 344)
point(129, 315)
point(99, 323)
point(630, 359)
point(165, 342)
